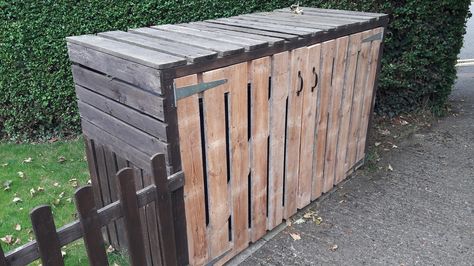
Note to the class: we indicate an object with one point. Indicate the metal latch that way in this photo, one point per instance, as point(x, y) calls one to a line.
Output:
point(375, 37)
point(183, 92)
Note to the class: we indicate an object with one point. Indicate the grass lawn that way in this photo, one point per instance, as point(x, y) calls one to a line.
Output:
point(35, 174)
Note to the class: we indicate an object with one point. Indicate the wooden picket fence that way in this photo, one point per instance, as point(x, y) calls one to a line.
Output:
point(49, 241)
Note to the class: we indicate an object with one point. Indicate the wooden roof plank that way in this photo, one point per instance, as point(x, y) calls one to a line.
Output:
point(223, 49)
point(337, 11)
point(192, 54)
point(130, 52)
point(249, 44)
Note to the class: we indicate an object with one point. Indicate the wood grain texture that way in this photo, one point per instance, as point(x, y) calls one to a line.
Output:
point(339, 70)
point(192, 163)
point(369, 94)
point(344, 128)
point(278, 104)
point(129, 204)
point(358, 101)
point(285, 36)
point(299, 83)
point(46, 236)
point(308, 125)
point(327, 57)
point(215, 135)
point(91, 227)
point(259, 71)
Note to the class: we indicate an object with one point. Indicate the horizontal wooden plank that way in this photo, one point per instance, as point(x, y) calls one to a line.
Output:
point(336, 11)
point(292, 21)
point(129, 52)
point(142, 141)
point(191, 53)
point(285, 36)
point(28, 252)
point(248, 44)
point(272, 41)
point(123, 113)
point(137, 74)
point(144, 101)
point(222, 49)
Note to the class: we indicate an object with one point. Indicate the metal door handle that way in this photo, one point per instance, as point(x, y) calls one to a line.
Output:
point(301, 84)
point(316, 79)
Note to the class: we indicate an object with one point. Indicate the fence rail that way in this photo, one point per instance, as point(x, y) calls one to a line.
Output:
point(49, 241)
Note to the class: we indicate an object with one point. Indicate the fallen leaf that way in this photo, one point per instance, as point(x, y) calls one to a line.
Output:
point(17, 199)
point(21, 174)
point(63, 253)
point(403, 122)
point(61, 159)
point(309, 214)
point(295, 236)
point(8, 239)
point(317, 220)
point(4, 164)
point(17, 241)
point(89, 182)
point(377, 144)
point(299, 221)
point(56, 184)
point(32, 192)
point(6, 185)
point(288, 223)
point(61, 195)
point(110, 249)
point(52, 140)
point(390, 167)
point(28, 160)
point(40, 189)
point(56, 201)
point(385, 132)
point(18, 227)
point(69, 200)
point(333, 247)
point(394, 146)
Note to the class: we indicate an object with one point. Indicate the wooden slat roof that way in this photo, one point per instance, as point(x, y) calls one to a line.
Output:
point(171, 46)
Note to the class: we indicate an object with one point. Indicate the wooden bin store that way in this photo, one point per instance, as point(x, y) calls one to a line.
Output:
point(260, 114)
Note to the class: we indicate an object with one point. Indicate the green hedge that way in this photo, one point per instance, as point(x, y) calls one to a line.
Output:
point(36, 93)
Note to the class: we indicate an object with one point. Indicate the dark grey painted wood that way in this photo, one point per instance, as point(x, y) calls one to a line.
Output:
point(123, 113)
point(142, 76)
point(223, 49)
point(248, 44)
point(191, 53)
point(129, 52)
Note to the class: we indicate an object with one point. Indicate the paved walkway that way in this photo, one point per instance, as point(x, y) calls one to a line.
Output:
point(421, 213)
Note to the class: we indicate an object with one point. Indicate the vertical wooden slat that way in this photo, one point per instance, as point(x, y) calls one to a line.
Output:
point(191, 160)
point(46, 236)
point(339, 69)
point(308, 124)
point(260, 72)
point(179, 218)
point(327, 59)
point(215, 135)
point(357, 103)
point(239, 156)
point(90, 224)
point(353, 54)
point(278, 99)
point(298, 84)
point(3, 260)
point(129, 204)
point(164, 212)
point(369, 93)
point(105, 190)
point(152, 224)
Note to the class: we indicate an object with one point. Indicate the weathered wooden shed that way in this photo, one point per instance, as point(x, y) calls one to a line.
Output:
point(259, 113)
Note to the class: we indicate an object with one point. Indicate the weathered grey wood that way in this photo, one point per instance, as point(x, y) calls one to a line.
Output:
point(223, 49)
point(292, 22)
point(325, 14)
point(248, 44)
point(91, 227)
point(287, 37)
point(131, 116)
point(142, 76)
point(129, 206)
point(143, 101)
point(164, 209)
point(3, 260)
point(46, 236)
point(129, 52)
point(301, 32)
point(179, 216)
point(29, 252)
point(337, 11)
point(306, 20)
point(136, 138)
point(271, 40)
point(192, 54)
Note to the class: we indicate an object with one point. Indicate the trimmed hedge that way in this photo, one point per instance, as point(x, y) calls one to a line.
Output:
point(36, 89)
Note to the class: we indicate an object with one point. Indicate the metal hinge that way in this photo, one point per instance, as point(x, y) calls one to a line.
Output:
point(183, 92)
point(375, 37)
